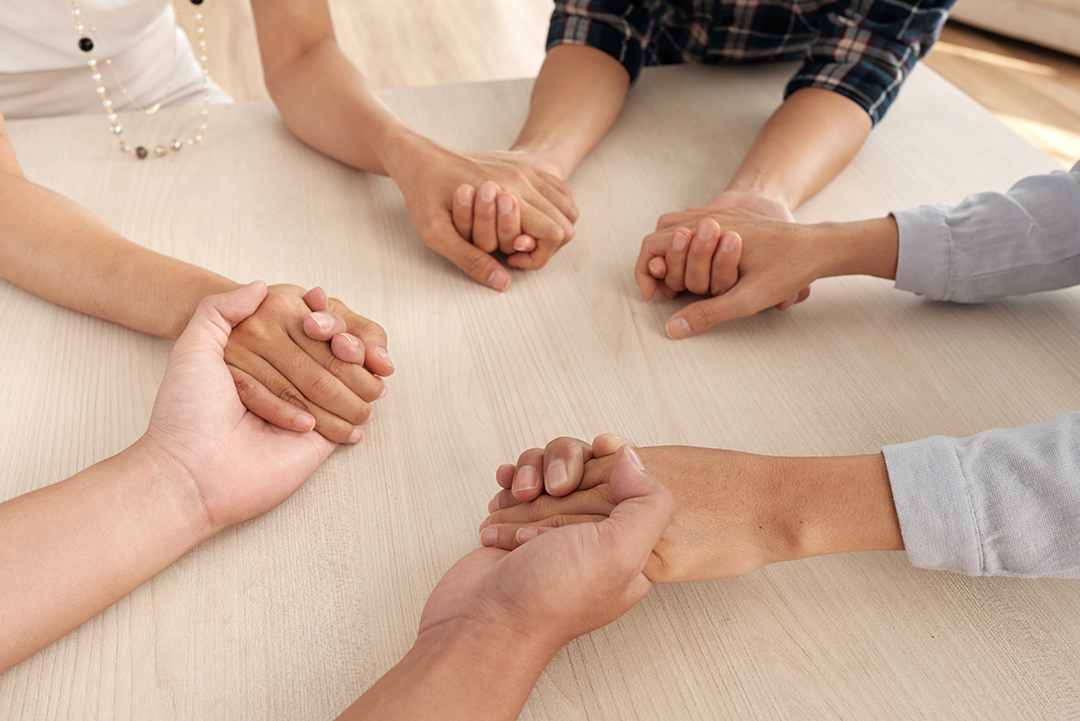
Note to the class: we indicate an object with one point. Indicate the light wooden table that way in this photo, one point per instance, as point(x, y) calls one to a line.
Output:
point(292, 615)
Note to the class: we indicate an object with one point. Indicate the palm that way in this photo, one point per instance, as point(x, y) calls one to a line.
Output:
point(459, 590)
point(240, 465)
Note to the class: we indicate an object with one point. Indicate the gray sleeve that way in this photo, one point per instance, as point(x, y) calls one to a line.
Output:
point(1000, 503)
point(994, 244)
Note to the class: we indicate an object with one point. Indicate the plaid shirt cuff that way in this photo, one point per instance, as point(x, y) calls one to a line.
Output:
point(610, 33)
point(869, 85)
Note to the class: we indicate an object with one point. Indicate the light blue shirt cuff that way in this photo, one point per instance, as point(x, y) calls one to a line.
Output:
point(924, 253)
point(934, 505)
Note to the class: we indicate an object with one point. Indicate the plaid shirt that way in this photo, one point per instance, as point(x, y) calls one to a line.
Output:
point(862, 49)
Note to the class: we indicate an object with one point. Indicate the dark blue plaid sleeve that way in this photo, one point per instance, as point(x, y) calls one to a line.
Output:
point(866, 52)
point(616, 27)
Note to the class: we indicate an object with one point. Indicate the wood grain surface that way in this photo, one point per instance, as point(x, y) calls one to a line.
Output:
point(292, 615)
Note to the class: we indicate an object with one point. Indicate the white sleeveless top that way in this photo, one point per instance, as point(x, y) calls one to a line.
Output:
point(43, 71)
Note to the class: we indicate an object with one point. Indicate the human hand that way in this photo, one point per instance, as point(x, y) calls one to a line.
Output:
point(536, 203)
point(288, 374)
point(565, 583)
point(728, 506)
point(236, 465)
point(477, 209)
point(749, 262)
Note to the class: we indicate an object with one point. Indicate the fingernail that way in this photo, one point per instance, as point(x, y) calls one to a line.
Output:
point(352, 340)
point(525, 480)
point(383, 394)
point(679, 242)
point(384, 356)
point(487, 193)
point(506, 205)
point(368, 419)
point(706, 231)
point(634, 457)
point(521, 244)
point(463, 195)
point(485, 524)
point(678, 328)
point(499, 280)
point(324, 321)
point(728, 243)
point(556, 473)
point(304, 422)
point(488, 536)
point(358, 433)
point(526, 534)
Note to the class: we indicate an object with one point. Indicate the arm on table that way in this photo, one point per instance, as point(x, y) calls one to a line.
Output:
point(327, 103)
point(1004, 502)
point(60, 251)
point(734, 512)
point(72, 549)
point(497, 618)
point(990, 245)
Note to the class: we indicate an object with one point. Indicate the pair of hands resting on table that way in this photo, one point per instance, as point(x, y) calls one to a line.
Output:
point(70, 550)
point(749, 262)
point(734, 512)
point(301, 360)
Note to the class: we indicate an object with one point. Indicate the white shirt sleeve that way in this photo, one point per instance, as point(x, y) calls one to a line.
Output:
point(1000, 503)
point(994, 244)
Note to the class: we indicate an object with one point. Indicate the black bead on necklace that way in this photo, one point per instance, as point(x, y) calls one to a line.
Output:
point(196, 2)
point(86, 44)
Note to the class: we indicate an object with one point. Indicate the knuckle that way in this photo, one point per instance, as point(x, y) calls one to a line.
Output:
point(474, 264)
point(323, 385)
point(293, 396)
point(246, 388)
point(539, 509)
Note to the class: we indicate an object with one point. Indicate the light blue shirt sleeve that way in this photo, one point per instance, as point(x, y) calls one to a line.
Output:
point(1003, 502)
point(1000, 503)
point(994, 244)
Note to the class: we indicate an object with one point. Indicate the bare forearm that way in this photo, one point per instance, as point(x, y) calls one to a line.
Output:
point(577, 97)
point(71, 550)
point(56, 249)
point(329, 105)
point(803, 146)
point(836, 505)
point(455, 673)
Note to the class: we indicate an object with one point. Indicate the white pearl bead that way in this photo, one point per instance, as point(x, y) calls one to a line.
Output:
point(96, 76)
point(116, 129)
point(107, 103)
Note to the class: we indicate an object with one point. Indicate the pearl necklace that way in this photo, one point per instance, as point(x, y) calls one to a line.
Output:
point(86, 44)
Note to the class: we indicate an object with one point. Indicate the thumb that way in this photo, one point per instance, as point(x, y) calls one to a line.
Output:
point(477, 264)
point(644, 511)
point(216, 316)
point(704, 314)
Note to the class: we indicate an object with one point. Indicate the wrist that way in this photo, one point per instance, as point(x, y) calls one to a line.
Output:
point(866, 247)
point(171, 489)
point(836, 505)
point(456, 669)
point(399, 149)
point(547, 155)
point(760, 186)
point(498, 645)
point(190, 292)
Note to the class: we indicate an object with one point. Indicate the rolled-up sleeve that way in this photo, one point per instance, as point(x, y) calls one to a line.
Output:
point(994, 244)
point(866, 52)
point(1000, 503)
point(616, 27)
